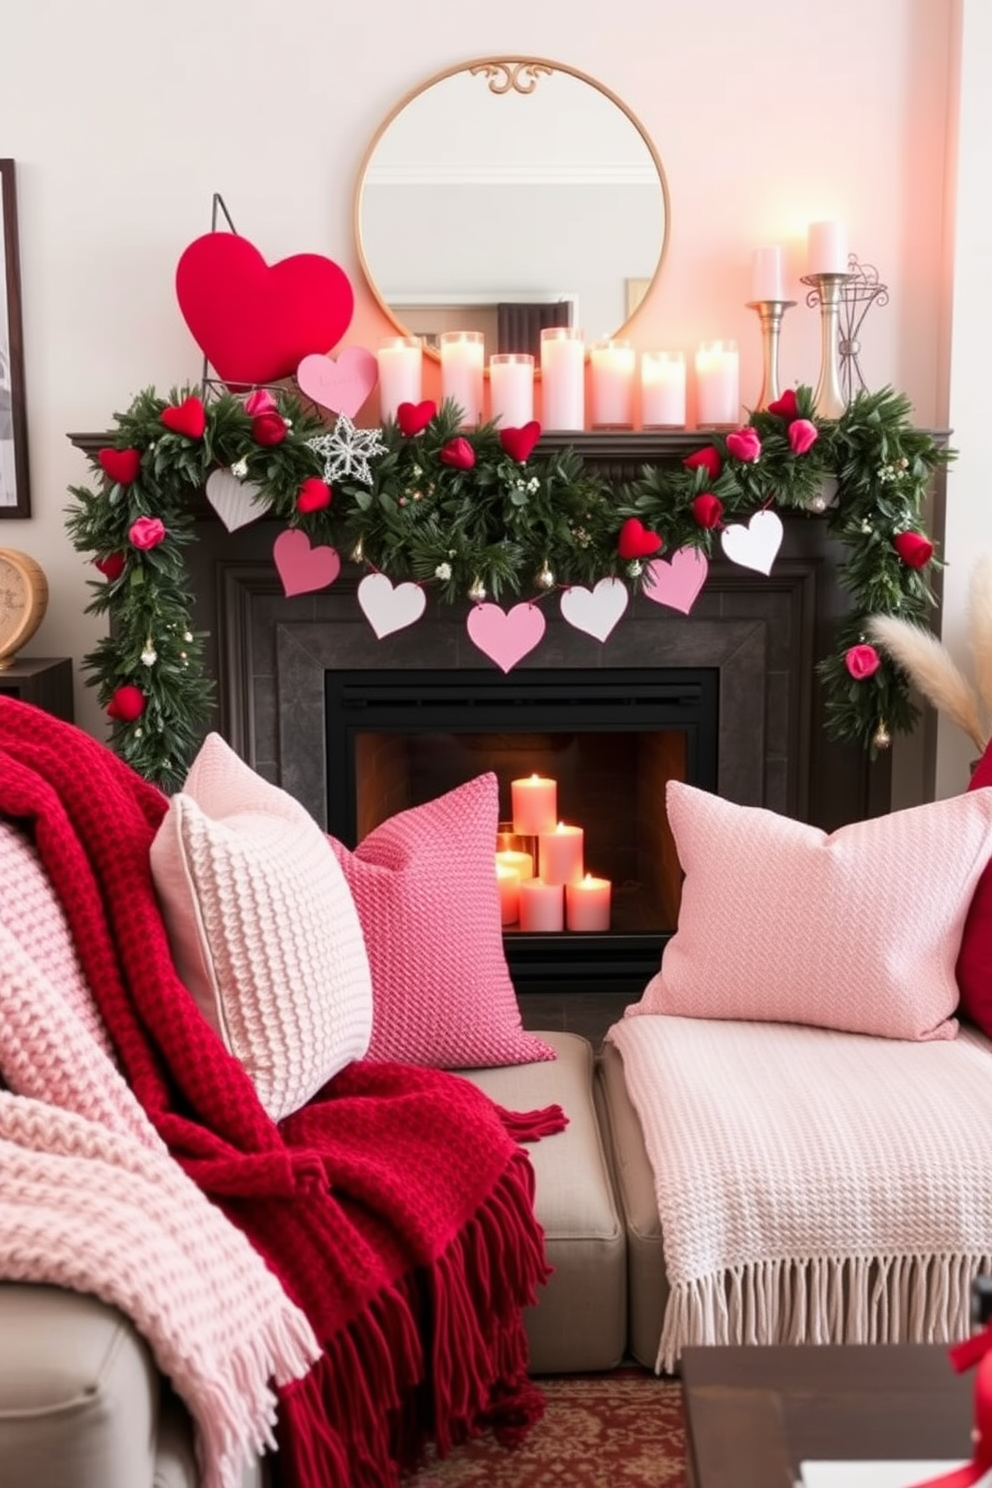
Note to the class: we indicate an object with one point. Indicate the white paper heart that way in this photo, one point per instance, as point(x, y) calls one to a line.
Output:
point(234, 500)
point(756, 545)
point(596, 611)
point(387, 608)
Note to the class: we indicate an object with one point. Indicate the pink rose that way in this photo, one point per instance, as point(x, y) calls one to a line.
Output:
point(127, 703)
point(787, 406)
point(744, 444)
point(862, 662)
point(146, 532)
point(268, 428)
point(913, 548)
point(458, 453)
point(803, 434)
point(707, 510)
point(707, 458)
point(260, 401)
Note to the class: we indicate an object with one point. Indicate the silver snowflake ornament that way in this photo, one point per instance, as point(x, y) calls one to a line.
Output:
point(348, 451)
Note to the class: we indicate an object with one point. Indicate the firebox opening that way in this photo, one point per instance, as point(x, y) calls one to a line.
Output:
point(611, 741)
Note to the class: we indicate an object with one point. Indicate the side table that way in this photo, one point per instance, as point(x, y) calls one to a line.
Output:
point(45, 681)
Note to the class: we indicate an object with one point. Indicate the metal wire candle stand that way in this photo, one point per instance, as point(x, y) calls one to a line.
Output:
point(862, 290)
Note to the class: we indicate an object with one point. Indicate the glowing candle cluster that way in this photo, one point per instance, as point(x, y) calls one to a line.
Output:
point(554, 892)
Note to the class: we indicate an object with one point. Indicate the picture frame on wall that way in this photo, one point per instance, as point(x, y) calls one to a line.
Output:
point(15, 493)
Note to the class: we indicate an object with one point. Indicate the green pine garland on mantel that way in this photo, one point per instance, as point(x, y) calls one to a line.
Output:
point(454, 510)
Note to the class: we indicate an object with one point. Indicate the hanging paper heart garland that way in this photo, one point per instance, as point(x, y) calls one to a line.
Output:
point(756, 545)
point(341, 384)
point(596, 611)
point(254, 322)
point(302, 568)
point(505, 636)
point(676, 581)
point(387, 608)
point(234, 500)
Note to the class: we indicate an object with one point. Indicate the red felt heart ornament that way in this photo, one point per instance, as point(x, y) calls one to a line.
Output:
point(121, 465)
point(188, 417)
point(786, 407)
point(255, 322)
point(413, 418)
point(635, 541)
point(707, 459)
point(519, 443)
point(458, 453)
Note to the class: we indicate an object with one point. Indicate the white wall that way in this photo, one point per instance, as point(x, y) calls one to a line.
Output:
point(125, 118)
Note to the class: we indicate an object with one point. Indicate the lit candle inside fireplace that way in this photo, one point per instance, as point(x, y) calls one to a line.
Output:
point(542, 905)
point(587, 904)
point(535, 805)
point(559, 854)
point(520, 863)
point(508, 884)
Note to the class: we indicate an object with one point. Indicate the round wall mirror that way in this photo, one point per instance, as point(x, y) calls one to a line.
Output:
point(508, 194)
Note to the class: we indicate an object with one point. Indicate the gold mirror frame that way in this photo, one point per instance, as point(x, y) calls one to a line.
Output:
point(507, 74)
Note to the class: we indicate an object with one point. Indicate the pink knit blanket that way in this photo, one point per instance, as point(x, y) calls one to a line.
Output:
point(812, 1186)
point(91, 1200)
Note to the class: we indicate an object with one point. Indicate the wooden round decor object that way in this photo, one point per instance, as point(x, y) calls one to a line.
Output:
point(23, 601)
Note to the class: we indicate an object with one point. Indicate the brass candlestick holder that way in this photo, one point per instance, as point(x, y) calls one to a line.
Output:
point(770, 313)
point(827, 291)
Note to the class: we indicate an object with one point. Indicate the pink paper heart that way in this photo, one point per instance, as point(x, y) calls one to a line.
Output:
point(340, 383)
point(677, 580)
point(301, 567)
point(505, 635)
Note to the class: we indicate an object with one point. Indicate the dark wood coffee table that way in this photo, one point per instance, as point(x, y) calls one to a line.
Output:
point(754, 1413)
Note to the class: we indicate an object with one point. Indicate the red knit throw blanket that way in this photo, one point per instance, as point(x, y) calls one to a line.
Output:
point(395, 1208)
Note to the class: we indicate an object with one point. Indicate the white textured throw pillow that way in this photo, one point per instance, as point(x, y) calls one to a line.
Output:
point(263, 928)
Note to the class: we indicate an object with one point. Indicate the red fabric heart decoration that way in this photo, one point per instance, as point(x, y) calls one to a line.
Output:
point(413, 418)
point(111, 567)
point(313, 495)
point(786, 407)
point(121, 465)
point(268, 428)
point(635, 541)
point(913, 548)
point(188, 417)
point(519, 443)
point(708, 459)
point(255, 322)
point(458, 453)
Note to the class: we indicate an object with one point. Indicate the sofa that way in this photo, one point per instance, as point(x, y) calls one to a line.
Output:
point(782, 1141)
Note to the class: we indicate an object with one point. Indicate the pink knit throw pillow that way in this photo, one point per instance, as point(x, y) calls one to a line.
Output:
point(425, 886)
point(858, 930)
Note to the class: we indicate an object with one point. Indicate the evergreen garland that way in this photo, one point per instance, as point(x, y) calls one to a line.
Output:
point(454, 509)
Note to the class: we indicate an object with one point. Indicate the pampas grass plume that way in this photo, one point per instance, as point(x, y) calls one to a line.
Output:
point(933, 671)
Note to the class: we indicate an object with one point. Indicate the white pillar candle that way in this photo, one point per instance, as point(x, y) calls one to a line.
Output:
point(400, 360)
point(508, 884)
point(534, 804)
point(767, 280)
point(663, 390)
point(612, 365)
point(462, 365)
point(826, 248)
point(516, 861)
point(563, 389)
point(559, 854)
point(717, 384)
point(542, 906)
point(511, 388)
point(587, 904)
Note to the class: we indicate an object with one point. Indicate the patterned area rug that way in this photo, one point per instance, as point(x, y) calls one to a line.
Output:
point(618, 1430)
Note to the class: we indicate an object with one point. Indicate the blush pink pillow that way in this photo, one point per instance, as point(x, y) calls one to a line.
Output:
point(424, 883)
point(858, 930)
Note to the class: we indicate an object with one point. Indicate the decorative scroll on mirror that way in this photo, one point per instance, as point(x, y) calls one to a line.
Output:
point(509, 193)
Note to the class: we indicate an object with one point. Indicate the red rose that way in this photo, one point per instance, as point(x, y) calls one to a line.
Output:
point(111, 567)
point(146, 532)
point(803, 434)
point(744, 444)
point(913, 548)
point(313, 495)
point(459, 453)
point(862, 662)
point(708, 458)
point(127, 703)
point(707, 510)
point(268, 428)
point(786, 407)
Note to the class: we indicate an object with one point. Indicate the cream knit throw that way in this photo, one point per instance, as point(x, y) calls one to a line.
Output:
point(91, 1200)
point(813, 1186)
